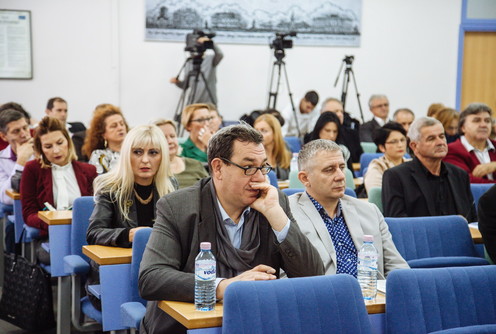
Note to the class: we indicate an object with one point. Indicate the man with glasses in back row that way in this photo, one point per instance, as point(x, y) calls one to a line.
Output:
point(379, 107)
point(247, 221)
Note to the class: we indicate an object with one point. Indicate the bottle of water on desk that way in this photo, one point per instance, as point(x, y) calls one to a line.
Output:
point(293, 167)
point(367, 268)
point(205, 267)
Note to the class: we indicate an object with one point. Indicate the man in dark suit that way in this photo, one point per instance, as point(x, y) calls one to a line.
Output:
point(379, 107)
point(427, 186)
point(57, 108)
point(487, 221)
point(246, 220)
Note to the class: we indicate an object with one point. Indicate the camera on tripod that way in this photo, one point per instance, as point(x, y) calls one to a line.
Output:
point(281, 42)
point(195, 47)
point(349, 59)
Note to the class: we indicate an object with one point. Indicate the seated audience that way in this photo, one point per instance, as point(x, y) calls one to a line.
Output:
point(379, 107)
point(247, 220)
point(187, 171)
point(306, 116)
point(335, 223)
point(487, 221)
point(217, 121)
point(390, 140)
point(474, 152)
point(403, 116)
point(278, 155)
point(125, 197)
point(104, 138)
point(196, 120)
point(55, 177)
point(18, 107)
point(328, 127)
point(434, 108)
point(14, 129)
point(427, 186)
point(449, 118)
point(349, 134)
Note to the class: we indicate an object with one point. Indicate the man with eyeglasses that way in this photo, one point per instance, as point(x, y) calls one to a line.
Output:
point(427, 186)
point(247, 221)
point(379, 107)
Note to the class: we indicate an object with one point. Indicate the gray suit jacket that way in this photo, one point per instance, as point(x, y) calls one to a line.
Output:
point(361, 218)
point(184, 219)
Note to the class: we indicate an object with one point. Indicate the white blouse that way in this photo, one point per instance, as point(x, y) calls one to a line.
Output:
point(65, 186)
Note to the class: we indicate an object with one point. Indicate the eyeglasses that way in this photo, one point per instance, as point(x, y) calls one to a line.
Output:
point(396, 141)
point(249, 171)
point(202, 120)
point(381, 105)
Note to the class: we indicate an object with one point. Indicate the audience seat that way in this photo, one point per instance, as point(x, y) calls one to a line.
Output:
point(294, 143)
point(374, 196)
point(320, 304)
point(365, 160)
point(273, 179)
point(432, 242)
point(294, 182)
point(368, 147)
point(291, 191)
point(478, 189)
point(441, 300)
point(350, 183)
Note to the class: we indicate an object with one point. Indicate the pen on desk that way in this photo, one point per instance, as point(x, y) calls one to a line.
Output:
point(49, 207)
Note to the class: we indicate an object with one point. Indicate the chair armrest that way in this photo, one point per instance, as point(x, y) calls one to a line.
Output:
point(132, 313)
point(75, 265)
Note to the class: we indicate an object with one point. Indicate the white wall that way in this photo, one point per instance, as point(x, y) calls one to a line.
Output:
point(93, 51)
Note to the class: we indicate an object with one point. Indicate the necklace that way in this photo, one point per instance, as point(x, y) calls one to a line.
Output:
point(141, 200)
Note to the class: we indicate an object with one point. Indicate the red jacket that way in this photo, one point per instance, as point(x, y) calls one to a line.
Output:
point(459, 156)
point(37, 188)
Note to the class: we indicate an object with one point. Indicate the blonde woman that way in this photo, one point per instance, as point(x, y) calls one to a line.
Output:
point(278, 155)
point(126, 196)
point(187, 171)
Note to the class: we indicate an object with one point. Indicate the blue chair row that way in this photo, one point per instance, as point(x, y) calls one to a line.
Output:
point(294, 143)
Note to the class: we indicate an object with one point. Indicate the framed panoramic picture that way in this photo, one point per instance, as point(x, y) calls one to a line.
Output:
point(15, 44)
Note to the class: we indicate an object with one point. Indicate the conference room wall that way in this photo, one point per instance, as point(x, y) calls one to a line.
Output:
point(94, 51)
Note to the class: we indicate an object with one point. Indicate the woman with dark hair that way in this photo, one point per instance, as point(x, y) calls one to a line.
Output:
point(56, 177)
point(328, 127)
point(390, 140)
point(104, 138)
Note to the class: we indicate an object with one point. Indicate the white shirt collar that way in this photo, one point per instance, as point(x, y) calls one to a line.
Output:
point(470, 148)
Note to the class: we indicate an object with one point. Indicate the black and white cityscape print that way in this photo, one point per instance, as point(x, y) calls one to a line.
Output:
point(316, 22)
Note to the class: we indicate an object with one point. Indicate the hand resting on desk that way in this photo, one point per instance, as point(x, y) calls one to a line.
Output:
point(259, 273)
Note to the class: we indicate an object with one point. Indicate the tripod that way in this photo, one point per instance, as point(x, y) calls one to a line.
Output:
point(348, 60)
point(193, 77)
point(271, 103)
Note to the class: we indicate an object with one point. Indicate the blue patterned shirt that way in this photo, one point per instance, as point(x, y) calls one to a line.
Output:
point(346, 252)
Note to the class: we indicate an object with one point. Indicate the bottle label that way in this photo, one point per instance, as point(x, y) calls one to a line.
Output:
point(205, 270)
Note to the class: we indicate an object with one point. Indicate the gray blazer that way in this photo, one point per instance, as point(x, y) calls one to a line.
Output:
point(361, 218)
point(184, 219)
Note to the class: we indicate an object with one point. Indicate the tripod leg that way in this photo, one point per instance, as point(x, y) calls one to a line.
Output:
point(192, 93)
point(210, 95)
point(297, 123)
point(346, 81)
point(357, 95)
point(271, 103)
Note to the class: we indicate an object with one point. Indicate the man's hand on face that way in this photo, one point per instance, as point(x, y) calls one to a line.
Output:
point(268, 204)
point(24, 151)
point(259, 273)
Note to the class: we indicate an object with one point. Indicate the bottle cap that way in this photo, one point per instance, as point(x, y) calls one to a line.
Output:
point(205, 246)
point(368, 238)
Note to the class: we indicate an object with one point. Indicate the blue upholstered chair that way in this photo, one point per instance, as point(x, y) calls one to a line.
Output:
point(365, 160)
point(431, 242)
point(478, 189)
point(273, 179)
point(294, 143)
point(321, 304)
point(132, 312)
point(441, 300)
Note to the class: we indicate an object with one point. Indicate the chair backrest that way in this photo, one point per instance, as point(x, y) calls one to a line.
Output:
point(273, 179)
point(374, 196)
point(350, 192)
point(294, 182)
point(368, 147)
point(292, 191)
point(428, 300)
point(437, 236)
point(349, 178)
point(296, 305)
point(294, 143)
point(82, 208)
point(365, 160)
point(139, 244)
point(478, 189)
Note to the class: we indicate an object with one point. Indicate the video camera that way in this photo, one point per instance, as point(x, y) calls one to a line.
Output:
point(196, 48)
point(280, 42)
point(349, 59)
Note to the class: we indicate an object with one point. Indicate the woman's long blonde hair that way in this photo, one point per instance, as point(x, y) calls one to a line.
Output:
point(280, 152)
point(119, 182)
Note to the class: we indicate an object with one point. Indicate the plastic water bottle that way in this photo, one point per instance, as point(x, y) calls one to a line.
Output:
point(205, 267)
point(367, 268)
point(293, 167)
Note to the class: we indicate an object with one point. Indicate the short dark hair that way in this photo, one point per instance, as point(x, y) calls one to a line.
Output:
point(312, 97)
point(15, 106)
point(52, 101)
point(380, 135)
point(403, 110)
point(472, 109)
point(10, 115)
point(222, 142)
point(324, 118)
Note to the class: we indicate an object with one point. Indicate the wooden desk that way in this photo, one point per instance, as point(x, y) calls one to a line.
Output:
point(56, 217)
point(13, 194)
point(358, 181)
point(476, 235)
point(104, 255)
point(186, 314)
point(356, 166)
point(283, 184)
